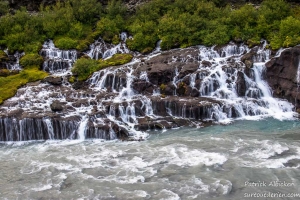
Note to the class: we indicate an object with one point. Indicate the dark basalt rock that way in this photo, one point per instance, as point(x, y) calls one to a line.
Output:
point(56, 106)
point(54, 80)
point(281, 74)
point(241, 84)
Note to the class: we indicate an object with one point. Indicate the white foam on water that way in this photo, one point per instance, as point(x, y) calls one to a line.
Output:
point(182, 156)
point(221, 187)
point(167, 195)
point(42, 188)
point(268, 149)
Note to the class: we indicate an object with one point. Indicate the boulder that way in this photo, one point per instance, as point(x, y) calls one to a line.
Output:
point(56, 106)
point(54, 80)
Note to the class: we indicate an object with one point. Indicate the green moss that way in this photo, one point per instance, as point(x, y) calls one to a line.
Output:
point(31, 60)
point(71, 79)
point(4, 72)
point(147, 50)
point(10, 84)
point(3, 56)
point(66, 43)
point(85, 67)
point(162, 88)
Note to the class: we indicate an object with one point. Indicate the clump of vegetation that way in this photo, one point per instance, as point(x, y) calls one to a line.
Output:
point(178, 23)
point(85, 67)
point(162, 88)
point(10, 84)
point(31, 60)
point(4, 72)
point(3, 56)
point(66, 43)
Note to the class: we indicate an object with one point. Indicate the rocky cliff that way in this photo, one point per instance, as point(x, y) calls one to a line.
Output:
point(283, 75)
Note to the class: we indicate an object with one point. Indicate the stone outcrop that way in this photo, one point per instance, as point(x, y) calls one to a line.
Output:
point(54, 80)
point(56, 106)
point(281, 75)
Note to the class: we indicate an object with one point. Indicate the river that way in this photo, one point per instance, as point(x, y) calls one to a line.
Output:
point(231, 161)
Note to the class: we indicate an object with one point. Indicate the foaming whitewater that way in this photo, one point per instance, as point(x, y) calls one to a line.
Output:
point(15, 63)
point(57, 60)
point(102, 50)
point(214, 162)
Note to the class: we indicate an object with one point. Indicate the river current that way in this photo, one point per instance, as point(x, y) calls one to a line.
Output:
point(235, 161)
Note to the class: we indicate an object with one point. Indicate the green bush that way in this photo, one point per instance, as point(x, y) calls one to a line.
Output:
point(31, 59)
point(66, 43)
point(85, 67)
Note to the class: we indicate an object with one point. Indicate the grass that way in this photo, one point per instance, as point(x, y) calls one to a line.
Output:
point(10, 84)
point(85, 67)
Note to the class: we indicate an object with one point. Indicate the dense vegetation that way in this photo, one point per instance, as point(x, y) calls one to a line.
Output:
point(178, 23)
point(74, 24)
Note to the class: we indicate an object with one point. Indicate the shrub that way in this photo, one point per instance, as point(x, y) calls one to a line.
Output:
point(65, 43)
point(31, 60)
point(85, 67)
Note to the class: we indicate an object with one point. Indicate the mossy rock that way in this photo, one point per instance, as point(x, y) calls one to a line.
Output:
point(3, 56)
point(31, 60)
point(72, 79)
point(147, 50)
point(4, 72)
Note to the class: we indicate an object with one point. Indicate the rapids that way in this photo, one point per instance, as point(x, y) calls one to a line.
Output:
point(214, 162)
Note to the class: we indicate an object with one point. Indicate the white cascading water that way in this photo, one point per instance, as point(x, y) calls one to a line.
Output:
point(100, 49)
point(14, 65)
point(57, 60)
point(111, 92)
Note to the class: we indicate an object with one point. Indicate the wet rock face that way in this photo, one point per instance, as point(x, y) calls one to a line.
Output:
point(181, 87)
point(241, 84)
point(56, 106)
point(54, 80)
point(281, 75)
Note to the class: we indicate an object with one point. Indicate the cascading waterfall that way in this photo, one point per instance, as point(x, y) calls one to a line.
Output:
point(123, 101)
point(16, 64)
point(57, 60)
point(100, 49)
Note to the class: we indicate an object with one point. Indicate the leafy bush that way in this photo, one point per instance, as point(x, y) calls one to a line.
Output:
point(66, 43)
point(31, 60)
point(84, 67)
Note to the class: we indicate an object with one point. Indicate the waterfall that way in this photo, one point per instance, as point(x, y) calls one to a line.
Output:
point(57, 60)
point(100, 49)
point(82, 128)
point(202, 85)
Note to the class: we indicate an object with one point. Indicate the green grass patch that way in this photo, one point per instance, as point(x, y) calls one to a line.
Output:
point(85, 67)
point(9, 85)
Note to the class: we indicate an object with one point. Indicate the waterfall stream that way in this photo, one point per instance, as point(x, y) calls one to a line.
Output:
point(181, 87)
